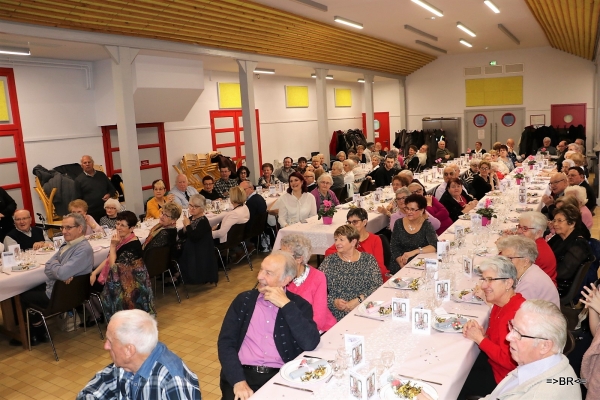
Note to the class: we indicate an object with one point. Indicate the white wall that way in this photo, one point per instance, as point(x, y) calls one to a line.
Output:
point(386, 98)
point(550, 77)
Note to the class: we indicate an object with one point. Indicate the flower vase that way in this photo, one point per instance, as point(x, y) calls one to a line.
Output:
point(485, 221)
point(531, 166)
point(327, 220)
point(518, 181)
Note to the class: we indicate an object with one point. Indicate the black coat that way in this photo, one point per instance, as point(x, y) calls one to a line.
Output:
point(7, 208)
point(454, 209)
point(570, 255)
point(480, 187)
point(198, 262)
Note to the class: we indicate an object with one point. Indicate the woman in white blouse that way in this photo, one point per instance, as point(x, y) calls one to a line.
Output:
point(349, 176)
point(297, 204)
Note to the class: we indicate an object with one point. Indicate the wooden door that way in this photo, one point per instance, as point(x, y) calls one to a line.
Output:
point(381, 130)
point(563, 115)
point(227, 133)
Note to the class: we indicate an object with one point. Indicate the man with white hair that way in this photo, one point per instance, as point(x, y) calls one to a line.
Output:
point(449, 173)
point(558, 184)
point(537, 336)
point(510, 143)
point(264, 329)
point(547, 147)
point(143, 368)
point(182, 191)
point(25, 235)
point(442, 152)
point(93, 187)
point(576, 177)
point(533, 224)
point(422, 154)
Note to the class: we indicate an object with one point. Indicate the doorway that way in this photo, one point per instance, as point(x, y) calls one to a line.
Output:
point(565, 115)
point(227, 133)
point(491, 126)
point(381, 131)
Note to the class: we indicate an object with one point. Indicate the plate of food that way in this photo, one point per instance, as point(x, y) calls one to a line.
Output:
point(406, 389)
point(536, 187)
point(529, 194)
point(306, 371)
point(449, 323)
point(523, 209)
point(405, 283)
point(465, 217)
point(45, 250)
point(466, 296)
point(375, 308)
point(532, 201)
point(25, 267)
point(494, 193)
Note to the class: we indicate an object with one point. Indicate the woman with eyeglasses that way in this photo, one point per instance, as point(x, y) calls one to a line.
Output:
point(80, 207)
point(570, 247)
point(533, 224)
point(112, 207)
point(160, 199)
point(401, 195)
point(485, 182)
point(498, 283)
point(243, 174)
point(125, 277)
point(197, 261)
point(323, 190)
point(505, 159)
point(367, 242)
point(398, 182)
point(434, 208)
point(456, 200)
point(413, 234)
point(165, 232)
point(352, 276)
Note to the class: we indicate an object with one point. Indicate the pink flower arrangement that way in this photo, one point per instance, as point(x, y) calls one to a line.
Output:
point(327, 209)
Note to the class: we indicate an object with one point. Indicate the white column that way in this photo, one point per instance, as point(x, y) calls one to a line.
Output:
point(246, 72)
point(403, 114)
point(122, 58)
point(369, 109)
point(322, 121)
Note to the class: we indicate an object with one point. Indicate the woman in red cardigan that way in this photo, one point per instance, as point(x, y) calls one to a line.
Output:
point(368, 242)
point(498, 283)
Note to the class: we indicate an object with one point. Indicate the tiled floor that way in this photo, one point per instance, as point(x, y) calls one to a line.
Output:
point(189, 329)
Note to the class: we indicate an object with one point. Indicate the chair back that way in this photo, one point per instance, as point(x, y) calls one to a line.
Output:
point(256, 226)
point(365, 187)
point(157, 260)
point(387, 251)
point(341, 193)
point(66, 297)
point(234, 237)
point(577, 282)
point(570, 344)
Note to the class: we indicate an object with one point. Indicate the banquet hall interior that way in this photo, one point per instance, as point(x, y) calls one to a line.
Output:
point(140, 85)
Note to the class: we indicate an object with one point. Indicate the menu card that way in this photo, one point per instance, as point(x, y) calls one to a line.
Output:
point(475, 221)
point(468, 266)
point(442, 289)
point(355, 346)
point(421, 321)
point(400, 309)
point(363, 387)
point(8, 261)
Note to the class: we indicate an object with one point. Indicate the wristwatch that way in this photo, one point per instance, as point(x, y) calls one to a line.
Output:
point(359, 299)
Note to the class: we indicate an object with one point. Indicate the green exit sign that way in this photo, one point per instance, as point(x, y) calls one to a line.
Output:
point(492, 62)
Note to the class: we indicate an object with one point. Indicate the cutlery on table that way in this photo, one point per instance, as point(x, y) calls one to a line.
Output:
point(5, 272)
point(293, 387)
point(373, 318)
point(419, 379)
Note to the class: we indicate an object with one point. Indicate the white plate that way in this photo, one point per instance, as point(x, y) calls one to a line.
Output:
point(41, 251)
point(467, 298)
point(449, 329)
point(293, 365)
point(28, 269)
point(402, 283)
point(465, 217)
point(362, 309)
point(387, 393)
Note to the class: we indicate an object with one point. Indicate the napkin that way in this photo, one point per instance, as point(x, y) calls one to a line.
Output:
point(448, 323)
point(308, 367)
point(97, 248)
point(376, 308)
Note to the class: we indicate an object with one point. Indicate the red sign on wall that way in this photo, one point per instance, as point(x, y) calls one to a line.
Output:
point(144, 162)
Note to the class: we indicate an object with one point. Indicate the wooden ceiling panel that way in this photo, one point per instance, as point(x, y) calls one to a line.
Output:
point(228, 24)
point(569, 25)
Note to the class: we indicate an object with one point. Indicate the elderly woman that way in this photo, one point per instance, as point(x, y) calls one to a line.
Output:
point(579, 225)
point(267, 179)
point(532, 225)
point(165, 232)
point(471, 172)
point(566, 164)
point(337, 175)
point(351, 275)
point(485, 181)
point(322, 161)
point(401, 195)
point(310, 283)
point(412, 161)
point(127, 283)
point(496, 170)
point(112, 207)
point(243, 174)
point(398, 182)
point(570, 248)
point(80, 207)
point(456, 200)
point(375, 160)
point(297, 204)
point(360, 153)
point(239, 215)
point(434, 208)
point(591, 362)
point(340, 156)
point(532, 282)
point(495, 157)
point(367, 242)
point(155, 204)
point(498, 283)
point(323, 192)
point(197, 261)
point(579, 193)
point(413, 234)
point(349, 176)
point(505, 159)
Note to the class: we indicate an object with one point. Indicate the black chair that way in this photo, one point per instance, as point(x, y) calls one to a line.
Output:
point(65, 297)
point(234, 237)
point(341, 193)
point(567, 299)
point(255, 229)
point(387, 251)
point(366, 187)
point(157, 262)
point(176, 264)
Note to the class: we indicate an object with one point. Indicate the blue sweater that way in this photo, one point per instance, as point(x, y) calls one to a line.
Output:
point(76, 260)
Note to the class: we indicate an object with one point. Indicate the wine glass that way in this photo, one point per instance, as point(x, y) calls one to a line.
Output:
point(387, 358)
point(338, 366)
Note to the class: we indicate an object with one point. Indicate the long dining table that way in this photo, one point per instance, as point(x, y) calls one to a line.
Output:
point(444, 358)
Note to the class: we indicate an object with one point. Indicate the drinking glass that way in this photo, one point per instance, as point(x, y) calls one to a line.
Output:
point(387, 358)
point(338, 366)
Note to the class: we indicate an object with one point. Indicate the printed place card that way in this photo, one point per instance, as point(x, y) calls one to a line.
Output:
point(363, 387)
point(442, 289)
point(421, 321)
point(355, 346)
point(400, 309)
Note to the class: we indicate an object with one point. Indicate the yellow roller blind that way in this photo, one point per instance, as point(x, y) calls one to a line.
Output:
point(343, 97)
point(494, 91)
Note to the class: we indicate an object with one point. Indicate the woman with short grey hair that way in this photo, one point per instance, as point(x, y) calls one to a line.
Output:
point(533, 224)
point(337, 175)
point(112, 207)
point(309, 283)
point(579, 193)
point(498, 282)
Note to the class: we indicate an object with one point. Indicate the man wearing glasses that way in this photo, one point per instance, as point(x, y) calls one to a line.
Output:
point(75, 257)
point(558, 184)
point(576, 177)
point(26, 236)
point(537, 336)
point(449, 173)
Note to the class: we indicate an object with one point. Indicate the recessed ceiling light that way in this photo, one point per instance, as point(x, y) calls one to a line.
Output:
point(463, 41)
point(465, 29)
point(429, 7)
point(348, 22)
point(360, 80)
point(327, 77)
point(492, 6)
point(19, 51)
point(264, 71)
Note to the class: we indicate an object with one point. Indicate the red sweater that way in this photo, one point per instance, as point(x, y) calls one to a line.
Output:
point(495, 344)
point(314, 290)
point(371, 245)
point(546, 259)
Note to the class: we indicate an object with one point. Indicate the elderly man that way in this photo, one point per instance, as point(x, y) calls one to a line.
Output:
point(25, 235)
point(442, 152)
point(75, 257)
point(478, 149)
point(532, 225)
point(383, 176)
point(283, 173)
point(93, 187)
point(182, 191)
point(264, 329)
point(558, 184)
point(223, 184)
point(532, 282)
point(309, 177)
point(547, 147)
point(143, 368)
point(510, 143)
point(537, 336)
point(449, 173)
point(256, 204)
point(422, 154)
point(378, 149)
point(561, 149)
point(576, 177)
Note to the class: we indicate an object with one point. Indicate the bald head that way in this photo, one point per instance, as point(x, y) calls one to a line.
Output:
point(182, 182)
point(22, 220)
point(449, 173)
point(87, 163)
point(558, 183)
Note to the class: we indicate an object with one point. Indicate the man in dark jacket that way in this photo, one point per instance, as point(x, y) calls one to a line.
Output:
point(253, 346)
point(383, 176)
point(576, 177)
point(94, 188)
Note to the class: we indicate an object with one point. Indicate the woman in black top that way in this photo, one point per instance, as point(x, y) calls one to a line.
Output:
point(7, 208)
point(485, 181)
point(412, 161)
point(456, 200)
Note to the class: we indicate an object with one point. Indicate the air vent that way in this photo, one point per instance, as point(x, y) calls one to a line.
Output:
point(495, 69)
point(513, 68)
point(472, 71)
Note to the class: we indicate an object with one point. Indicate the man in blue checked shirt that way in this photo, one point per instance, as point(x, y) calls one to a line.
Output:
point(142, 368)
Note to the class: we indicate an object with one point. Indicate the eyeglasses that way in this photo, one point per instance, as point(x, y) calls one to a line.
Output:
point(511, 329)
point(411, 210)
point(510, 258)
point(556, 182)
point(159, 188)
point(401, 198)
point(67, 227)
point(448, 173)
point(484, 169)
point(524, 228)
point(418, 191)
point(110, 208)
point(489, 280)
point(193, 206)
point(22, 219)
point(354, 221)
point(122, 225)
point(165, 215)
point(558, 220)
